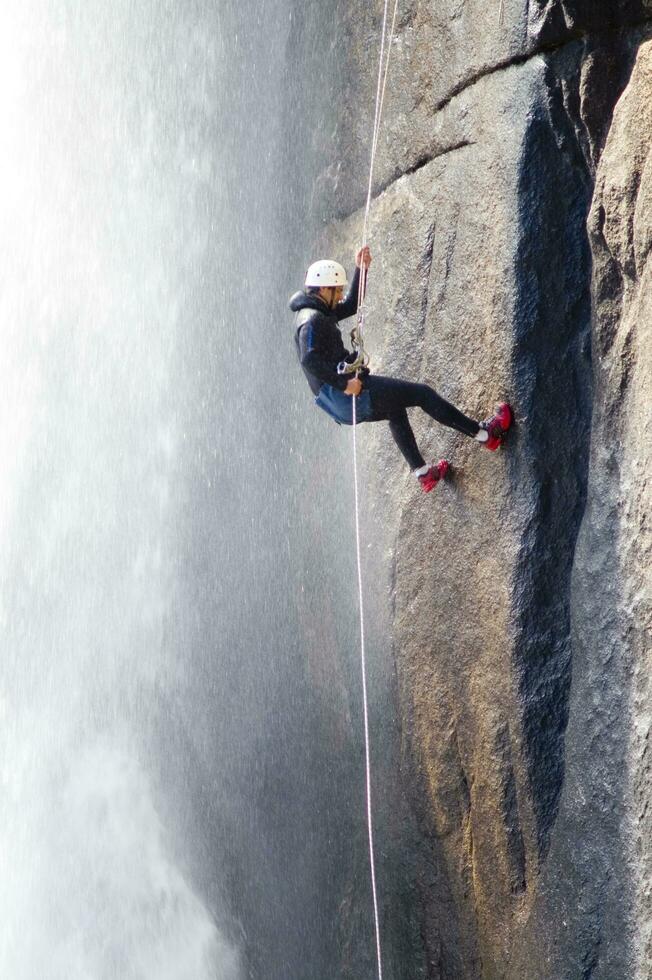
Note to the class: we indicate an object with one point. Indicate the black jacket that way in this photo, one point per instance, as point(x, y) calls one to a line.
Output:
point(318, 338)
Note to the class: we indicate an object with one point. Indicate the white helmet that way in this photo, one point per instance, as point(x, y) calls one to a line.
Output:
point(326, 272)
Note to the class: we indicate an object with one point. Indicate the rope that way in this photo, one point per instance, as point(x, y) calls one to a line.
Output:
point(365, 703)
point(358, 344)
point(357, 338)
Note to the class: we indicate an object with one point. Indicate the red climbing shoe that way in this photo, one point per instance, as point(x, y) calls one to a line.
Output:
point(497, 426)
point(436, 473)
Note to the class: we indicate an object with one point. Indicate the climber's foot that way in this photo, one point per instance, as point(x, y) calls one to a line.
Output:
point(497, 426)
point(435, 473)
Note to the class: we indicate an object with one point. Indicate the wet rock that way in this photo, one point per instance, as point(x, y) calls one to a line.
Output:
point(593, 912)
point(482, 286)
point(438, 52)
point(488, 666)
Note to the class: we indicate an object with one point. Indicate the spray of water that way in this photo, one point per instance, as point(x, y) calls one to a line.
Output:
point(180, 758)
point(98, 158)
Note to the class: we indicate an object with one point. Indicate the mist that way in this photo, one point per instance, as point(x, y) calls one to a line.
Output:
point(174, 791)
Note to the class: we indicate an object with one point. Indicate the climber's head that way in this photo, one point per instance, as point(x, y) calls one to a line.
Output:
point(326, 279)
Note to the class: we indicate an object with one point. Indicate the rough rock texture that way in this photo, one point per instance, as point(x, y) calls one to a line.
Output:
point(594, 911)
point(622, 240)
point(532, 858)
point(441, 51)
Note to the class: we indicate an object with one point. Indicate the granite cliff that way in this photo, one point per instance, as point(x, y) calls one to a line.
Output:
point(511, 227)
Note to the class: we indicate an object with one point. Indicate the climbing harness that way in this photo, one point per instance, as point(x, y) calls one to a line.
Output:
point(357, 341)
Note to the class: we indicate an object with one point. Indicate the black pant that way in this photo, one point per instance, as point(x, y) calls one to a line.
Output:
point(390, 398)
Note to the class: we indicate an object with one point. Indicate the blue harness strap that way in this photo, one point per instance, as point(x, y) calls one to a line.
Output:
point(340, 406)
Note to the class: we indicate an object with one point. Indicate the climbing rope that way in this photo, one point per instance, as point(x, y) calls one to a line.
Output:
point(365, 703)
point(357, 334)
point(383, 72)
point(357, 340)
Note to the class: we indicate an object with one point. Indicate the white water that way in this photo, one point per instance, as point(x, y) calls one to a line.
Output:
point(97, 166)
point(180, 778)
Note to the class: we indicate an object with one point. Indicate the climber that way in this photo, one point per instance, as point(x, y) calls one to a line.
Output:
point(319, 344)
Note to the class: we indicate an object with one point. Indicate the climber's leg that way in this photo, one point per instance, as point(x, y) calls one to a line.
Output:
point(399, 426)
point(390, 395)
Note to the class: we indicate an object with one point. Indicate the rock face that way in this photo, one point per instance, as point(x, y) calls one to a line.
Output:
point(622, 238)
point(532, 857)
point(594, 904)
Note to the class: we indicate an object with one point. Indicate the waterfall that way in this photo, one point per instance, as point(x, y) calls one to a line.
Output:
point(175, 612)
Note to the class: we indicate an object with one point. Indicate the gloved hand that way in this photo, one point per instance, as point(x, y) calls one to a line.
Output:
point(363, 257)
point(354, 387)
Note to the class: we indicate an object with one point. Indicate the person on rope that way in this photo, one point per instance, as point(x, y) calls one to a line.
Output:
point(319, 308)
